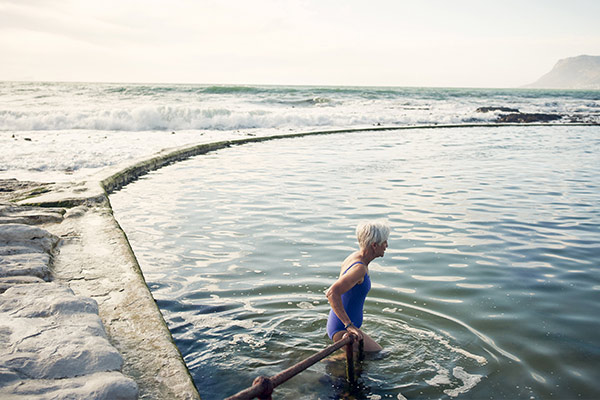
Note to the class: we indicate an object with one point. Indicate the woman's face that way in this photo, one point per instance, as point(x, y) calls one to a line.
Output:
point(380, 248)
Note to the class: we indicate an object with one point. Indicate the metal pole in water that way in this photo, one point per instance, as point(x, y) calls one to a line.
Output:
point(350, 360)
point(361, 349)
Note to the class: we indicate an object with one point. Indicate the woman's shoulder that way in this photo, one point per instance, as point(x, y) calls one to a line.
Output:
point(352, 258)
point(353, 262)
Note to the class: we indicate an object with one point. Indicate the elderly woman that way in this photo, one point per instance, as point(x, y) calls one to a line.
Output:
point(347, 295)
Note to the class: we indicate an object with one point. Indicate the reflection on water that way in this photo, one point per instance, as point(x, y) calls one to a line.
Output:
point(489, 286)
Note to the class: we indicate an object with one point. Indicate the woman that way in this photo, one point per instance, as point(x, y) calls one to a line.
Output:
point(347, 295)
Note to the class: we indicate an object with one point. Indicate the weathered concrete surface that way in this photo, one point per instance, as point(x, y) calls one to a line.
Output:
point(94, 331)
point(52, 342)
point(99, 386)
point(13, 190)
point(54, 346)
point(12, 214)
point(25, 252)
point(95, 260)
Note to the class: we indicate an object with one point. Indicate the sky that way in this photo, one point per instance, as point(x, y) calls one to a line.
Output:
point(435, 43)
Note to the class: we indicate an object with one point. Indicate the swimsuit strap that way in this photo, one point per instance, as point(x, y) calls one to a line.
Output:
point(353, 264)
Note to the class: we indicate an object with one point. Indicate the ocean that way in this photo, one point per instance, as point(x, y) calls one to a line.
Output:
point(68, 131)
point(490, 287)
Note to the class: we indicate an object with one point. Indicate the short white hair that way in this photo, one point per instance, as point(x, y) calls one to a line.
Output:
point(370, 232)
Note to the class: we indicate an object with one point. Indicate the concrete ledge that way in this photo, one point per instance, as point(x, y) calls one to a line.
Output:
point(96, 261)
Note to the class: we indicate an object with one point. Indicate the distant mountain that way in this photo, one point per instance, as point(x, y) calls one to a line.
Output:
point(581, 72)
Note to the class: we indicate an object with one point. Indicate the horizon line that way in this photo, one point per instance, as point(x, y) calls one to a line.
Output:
point(269, 84)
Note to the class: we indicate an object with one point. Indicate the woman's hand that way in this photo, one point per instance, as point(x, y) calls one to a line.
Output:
point(354, 330)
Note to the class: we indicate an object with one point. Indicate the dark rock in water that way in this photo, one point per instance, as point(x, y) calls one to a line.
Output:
point(503, 109)
point(583, 119)
point(525, 118)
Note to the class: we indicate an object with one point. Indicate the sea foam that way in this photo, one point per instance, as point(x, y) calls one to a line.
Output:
point(158, 118)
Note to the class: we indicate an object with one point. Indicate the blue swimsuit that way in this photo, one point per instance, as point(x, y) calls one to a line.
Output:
point(353, 301)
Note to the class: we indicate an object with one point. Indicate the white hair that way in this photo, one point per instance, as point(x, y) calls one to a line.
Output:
point(371, 232)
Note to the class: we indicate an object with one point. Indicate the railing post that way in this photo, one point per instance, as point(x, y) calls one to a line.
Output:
point(361, 349)
point(349, 348)
point(266, 386)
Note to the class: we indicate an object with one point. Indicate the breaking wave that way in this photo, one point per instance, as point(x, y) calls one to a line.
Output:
point(150, 118)
point(162, 118)
point(142, 107)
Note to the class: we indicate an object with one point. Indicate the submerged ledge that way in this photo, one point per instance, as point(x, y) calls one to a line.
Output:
point(94, 259)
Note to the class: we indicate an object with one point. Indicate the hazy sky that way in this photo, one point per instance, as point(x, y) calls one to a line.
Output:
point(323, 42)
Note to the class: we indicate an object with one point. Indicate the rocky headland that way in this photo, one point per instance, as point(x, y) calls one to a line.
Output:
point(581, 72)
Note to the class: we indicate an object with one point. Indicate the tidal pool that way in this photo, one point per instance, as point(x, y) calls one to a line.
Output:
point(490, 287)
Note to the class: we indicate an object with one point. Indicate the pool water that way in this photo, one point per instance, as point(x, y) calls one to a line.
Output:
point(490, 287)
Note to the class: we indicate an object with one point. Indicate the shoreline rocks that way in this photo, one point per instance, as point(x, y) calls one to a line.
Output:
point(490, 109)
point(518, 117)
point(524, 118)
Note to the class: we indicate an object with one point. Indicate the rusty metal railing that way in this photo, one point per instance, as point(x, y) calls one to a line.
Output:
point(263, 386)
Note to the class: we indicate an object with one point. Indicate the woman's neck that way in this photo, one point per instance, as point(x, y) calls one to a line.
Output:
point(366, 255)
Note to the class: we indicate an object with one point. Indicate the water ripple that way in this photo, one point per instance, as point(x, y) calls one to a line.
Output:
point(490, 275)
